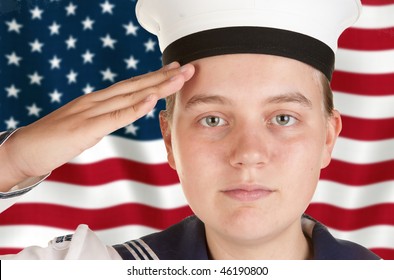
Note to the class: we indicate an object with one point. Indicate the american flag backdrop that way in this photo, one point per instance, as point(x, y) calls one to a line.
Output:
point(52, 51)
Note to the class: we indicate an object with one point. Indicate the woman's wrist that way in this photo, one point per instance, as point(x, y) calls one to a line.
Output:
point(9, 173)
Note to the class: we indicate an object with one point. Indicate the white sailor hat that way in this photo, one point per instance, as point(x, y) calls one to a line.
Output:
point(306, 30)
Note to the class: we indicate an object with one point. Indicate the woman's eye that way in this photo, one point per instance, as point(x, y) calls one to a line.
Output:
point(283, 120)
point(212, 121)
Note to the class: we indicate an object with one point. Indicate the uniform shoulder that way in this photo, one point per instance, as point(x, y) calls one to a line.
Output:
point(327, 247)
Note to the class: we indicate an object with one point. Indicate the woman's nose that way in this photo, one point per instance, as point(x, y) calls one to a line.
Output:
point(250, 148)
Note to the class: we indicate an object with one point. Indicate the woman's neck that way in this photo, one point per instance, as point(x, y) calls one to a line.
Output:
point(289, 244)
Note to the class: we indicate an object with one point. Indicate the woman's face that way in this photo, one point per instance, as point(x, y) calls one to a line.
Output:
point(248, 138)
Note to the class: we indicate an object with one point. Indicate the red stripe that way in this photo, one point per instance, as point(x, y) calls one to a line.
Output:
point(367, 129)
point(363, 84)
point(358, 174)
point(6, 251)
point(346, 220)
point(377, 2)
point(367, 39)
point(386, 254)
point(114, 169)
point(97, 219)
point(110, 170)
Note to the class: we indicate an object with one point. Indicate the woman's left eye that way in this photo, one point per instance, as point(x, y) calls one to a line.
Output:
point(283, 120)
point(212, 121)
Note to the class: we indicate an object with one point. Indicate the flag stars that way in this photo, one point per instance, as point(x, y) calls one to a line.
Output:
point(55, 96)
point(108, 75)
point(36, 46)
point(36, 13)
point(13, 59)
point(151, 114)
point(11, 123)
point(150, 45)
point(55, 62)
point(35, 78)
point(72, 77)
point(70, 42)
point(87, 24)
point(131, 63)
point(88, 89)
point(12, 91)
point(108, 41)
point(54, 28)
point(131, 29)
point(107, 7)
point(87, 57)
point(70, 9)
point(131, 129)
point(14, 26)
point(33, 110)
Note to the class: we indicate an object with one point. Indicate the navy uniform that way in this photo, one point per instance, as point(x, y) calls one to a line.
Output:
point(305, 30)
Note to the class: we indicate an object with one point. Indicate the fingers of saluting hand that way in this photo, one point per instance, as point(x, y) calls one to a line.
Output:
point(148, 81)
point(131, 99)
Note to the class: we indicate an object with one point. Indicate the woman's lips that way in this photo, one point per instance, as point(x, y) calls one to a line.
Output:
point(247, 194)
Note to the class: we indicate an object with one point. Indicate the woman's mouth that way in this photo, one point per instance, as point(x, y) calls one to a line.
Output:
point(247, 193)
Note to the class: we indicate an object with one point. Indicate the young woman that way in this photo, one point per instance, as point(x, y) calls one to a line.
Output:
point(249, 125)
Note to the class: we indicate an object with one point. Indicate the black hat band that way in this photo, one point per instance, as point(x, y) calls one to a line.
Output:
point(258, 40)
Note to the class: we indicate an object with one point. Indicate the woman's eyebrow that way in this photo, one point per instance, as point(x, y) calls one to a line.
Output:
point(293, 97)
point(207, 99)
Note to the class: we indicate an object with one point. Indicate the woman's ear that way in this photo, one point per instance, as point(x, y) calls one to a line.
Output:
point(334, 127)
point(165, 127)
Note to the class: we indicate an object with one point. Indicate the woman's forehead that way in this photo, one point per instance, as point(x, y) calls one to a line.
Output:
point(246, 79)
point(252, 64)
point(247, 71)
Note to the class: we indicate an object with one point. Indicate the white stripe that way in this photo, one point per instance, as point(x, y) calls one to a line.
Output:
point(347, 197)
point(376, 17)
point(144, 256)
point(365, 107)
point(365, 62)
point(150, 152)
point(148, 249)
point(112, 194)
point(363, 152)
point(131, 250)
point(122, 234)
point(22, 236)
point(370, 237)
point(172, 197)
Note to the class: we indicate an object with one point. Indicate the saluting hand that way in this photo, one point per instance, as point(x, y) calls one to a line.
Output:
point(48, 143)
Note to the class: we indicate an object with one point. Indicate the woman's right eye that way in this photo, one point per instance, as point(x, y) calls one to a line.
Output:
point(212, 121)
